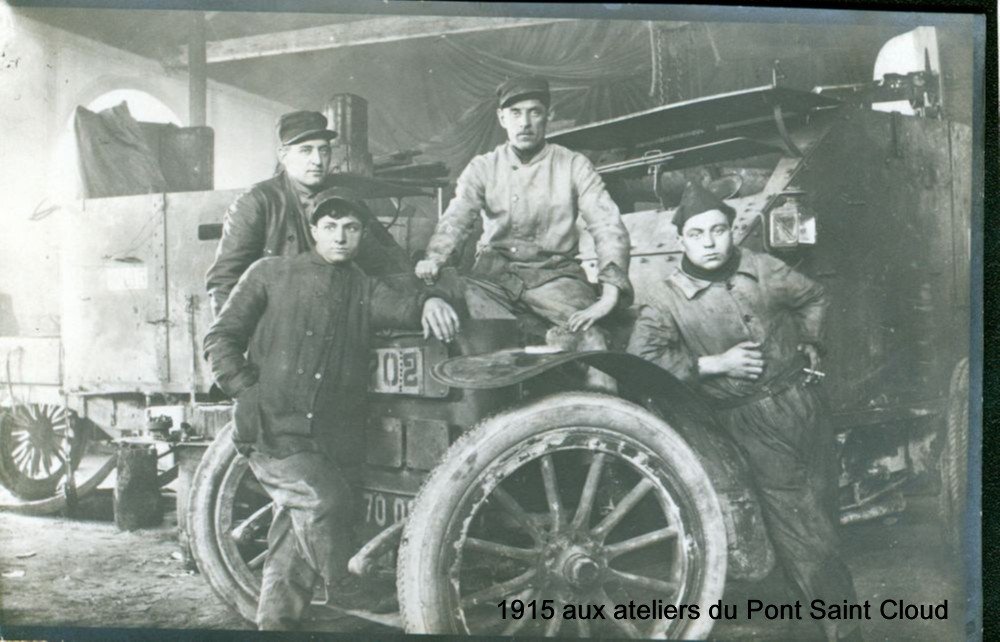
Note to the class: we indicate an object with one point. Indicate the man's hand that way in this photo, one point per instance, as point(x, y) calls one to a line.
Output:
point(583, 319)
point(743, 361)
point(244, 447)
point(427, 271)
point(810, 351)
point(440, 319)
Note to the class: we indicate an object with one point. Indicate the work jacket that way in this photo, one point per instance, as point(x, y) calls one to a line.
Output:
point(268, 220)
point(783, 431)
point(305, 326)
point(531, 214)
point(764, 301)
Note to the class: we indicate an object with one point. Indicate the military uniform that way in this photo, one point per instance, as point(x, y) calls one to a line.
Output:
point(779, 422)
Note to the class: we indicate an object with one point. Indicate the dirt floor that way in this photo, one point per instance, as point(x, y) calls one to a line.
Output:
point(83, 572)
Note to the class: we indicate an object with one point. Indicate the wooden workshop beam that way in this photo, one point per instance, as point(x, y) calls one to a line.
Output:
point(197, 72)
point(351, 34)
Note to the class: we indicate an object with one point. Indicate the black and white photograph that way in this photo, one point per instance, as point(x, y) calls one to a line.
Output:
point(378, 318)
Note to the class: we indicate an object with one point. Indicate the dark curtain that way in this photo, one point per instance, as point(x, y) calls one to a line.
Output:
point(597, 70)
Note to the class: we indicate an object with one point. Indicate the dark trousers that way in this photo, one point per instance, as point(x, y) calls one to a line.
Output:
point(310, 537)
point(789, 445)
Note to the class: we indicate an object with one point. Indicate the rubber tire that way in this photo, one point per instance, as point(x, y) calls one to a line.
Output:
point(30, 489)
point(419, 582)
point(202, 538)
point(955, 458)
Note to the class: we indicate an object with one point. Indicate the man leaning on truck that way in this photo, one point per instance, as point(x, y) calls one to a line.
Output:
point(745, 330)
point(304, 322)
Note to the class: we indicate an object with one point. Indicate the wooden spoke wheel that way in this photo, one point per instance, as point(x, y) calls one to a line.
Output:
point(228, 517)
point(242, 517)
point(227, 522)
point(36, 442)
point(581, 499)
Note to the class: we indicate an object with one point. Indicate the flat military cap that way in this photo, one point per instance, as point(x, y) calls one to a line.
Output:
point(297, 126)
point(522, 87)
point(697, 200)
point(341, 200)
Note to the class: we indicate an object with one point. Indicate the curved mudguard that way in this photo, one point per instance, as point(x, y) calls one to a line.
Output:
point(751, 555)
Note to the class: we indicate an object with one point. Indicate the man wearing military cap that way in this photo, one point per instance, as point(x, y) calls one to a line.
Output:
point(291, 345)
point(745, 330)
point(272, 217)
point(530, 194)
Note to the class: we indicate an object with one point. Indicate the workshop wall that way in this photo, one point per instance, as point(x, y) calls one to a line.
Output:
point(45, 73)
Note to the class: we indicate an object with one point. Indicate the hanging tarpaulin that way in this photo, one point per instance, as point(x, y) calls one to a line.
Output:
point(113, 156)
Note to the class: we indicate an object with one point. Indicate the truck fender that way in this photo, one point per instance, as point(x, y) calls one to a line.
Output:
point(751, 555)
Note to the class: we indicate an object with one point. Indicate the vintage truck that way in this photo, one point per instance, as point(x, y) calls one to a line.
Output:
point(491, 473)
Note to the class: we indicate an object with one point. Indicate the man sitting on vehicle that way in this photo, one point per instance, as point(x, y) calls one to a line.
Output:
point(745, 330)
point(530, 194)
point(304, 323)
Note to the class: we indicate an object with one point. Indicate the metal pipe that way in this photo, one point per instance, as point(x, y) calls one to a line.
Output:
point(894, 503)
point(192, 307)
point(197, 71)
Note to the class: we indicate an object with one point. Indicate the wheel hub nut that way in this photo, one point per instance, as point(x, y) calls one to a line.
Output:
point(581, 571)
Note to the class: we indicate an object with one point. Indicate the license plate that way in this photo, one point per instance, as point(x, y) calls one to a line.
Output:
point(399, 371)
point(384, 509)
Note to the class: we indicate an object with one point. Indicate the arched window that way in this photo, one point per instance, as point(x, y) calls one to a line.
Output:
point(141, 105)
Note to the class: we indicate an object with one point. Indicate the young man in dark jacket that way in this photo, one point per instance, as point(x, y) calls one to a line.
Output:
point(272, 217)
point(305, 322)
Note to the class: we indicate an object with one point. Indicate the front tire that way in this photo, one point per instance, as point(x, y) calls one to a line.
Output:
point(227, 522)
point(955, 458)
point(578, 498)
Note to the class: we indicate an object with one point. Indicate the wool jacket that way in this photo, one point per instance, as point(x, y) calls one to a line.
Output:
point(764, 301)
point(269, 220)
point(304, 326)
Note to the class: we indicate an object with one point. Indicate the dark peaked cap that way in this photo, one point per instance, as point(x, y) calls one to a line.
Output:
point(523, 87)
point(697, 200)
point(297, 126)
point(340, 199)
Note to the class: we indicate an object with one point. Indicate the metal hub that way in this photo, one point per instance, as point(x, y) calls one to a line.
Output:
point(43, 435)
point(581, 571)
point(566, 549)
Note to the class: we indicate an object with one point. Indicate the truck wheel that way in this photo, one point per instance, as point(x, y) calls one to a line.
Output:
point(35, 442)
point(955, 457)
point(575, 501)
point(227, 521)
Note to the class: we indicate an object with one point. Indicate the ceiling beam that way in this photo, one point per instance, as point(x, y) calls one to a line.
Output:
point(351, 34)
